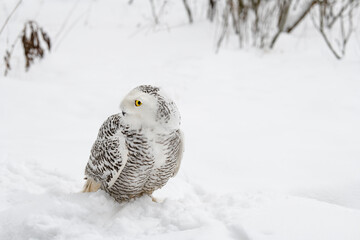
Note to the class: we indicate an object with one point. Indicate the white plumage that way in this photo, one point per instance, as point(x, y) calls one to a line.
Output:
point(139, 149)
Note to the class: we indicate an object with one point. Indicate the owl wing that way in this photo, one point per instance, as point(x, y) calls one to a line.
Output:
point(180, 152)
point(108, 154)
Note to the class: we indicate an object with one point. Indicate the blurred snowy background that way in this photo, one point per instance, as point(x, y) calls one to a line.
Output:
point(272, 132)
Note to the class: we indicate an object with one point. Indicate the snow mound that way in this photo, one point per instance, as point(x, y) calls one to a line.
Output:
point(38, 211)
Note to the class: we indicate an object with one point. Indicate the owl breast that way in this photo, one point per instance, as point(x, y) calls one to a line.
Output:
point(151, 162)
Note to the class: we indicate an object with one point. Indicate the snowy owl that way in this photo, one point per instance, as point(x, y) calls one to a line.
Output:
point(139, 149)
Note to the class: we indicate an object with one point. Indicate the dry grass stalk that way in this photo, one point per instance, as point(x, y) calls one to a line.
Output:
point(33, 39)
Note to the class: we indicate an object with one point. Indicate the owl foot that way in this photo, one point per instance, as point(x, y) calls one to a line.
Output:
point(154, 199)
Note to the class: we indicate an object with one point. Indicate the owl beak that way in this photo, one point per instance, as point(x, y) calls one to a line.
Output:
point(123, 113)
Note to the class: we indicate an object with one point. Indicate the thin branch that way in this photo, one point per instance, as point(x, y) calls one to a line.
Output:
point(346, 37)
point(68, 30)
point(283, 15)
point(302, 16)
point(320, 28)
point(235, 20)
point(329, 44)
point(9, 53)
point(224, 27)
point(8, 18)
point(63, 25)
point(339, 14)
point(162, 9)
point(211, 10)
point(154, 12)
point(188, 11)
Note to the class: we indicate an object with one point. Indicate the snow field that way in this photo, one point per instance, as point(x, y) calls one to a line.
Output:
point(272, 138)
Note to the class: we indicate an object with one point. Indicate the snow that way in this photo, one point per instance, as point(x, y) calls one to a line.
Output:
point(272, 138)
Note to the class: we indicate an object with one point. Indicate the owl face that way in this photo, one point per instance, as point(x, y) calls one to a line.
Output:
point(148, 107)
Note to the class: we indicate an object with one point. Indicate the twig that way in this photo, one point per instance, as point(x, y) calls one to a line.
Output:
point(63, 25)
point(8, 18)
point(161, 11)
point(320, 28)
point(339, 14)
point(224, 28)
point(9, 54)
point(302, 16)
point(283, 15)
point(154, 12)
point(211, 10)
point(329, 44)
point(188, 11)
point(73, 24)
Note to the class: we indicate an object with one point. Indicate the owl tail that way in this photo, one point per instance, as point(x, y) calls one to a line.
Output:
point(91, 186)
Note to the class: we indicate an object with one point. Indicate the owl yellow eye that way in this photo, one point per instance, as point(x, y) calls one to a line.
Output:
point(138, 103)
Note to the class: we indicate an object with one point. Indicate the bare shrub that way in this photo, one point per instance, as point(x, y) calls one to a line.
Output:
point(33, 39)
point(334, 20)
point(157, 12)
point(291, 14)
point(260, 22)
point(253, 21)
point(263, 21)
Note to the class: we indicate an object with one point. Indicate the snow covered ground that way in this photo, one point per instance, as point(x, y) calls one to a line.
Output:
point(272, 138)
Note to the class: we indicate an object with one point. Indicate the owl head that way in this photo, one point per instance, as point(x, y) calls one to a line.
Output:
point(148, 107)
